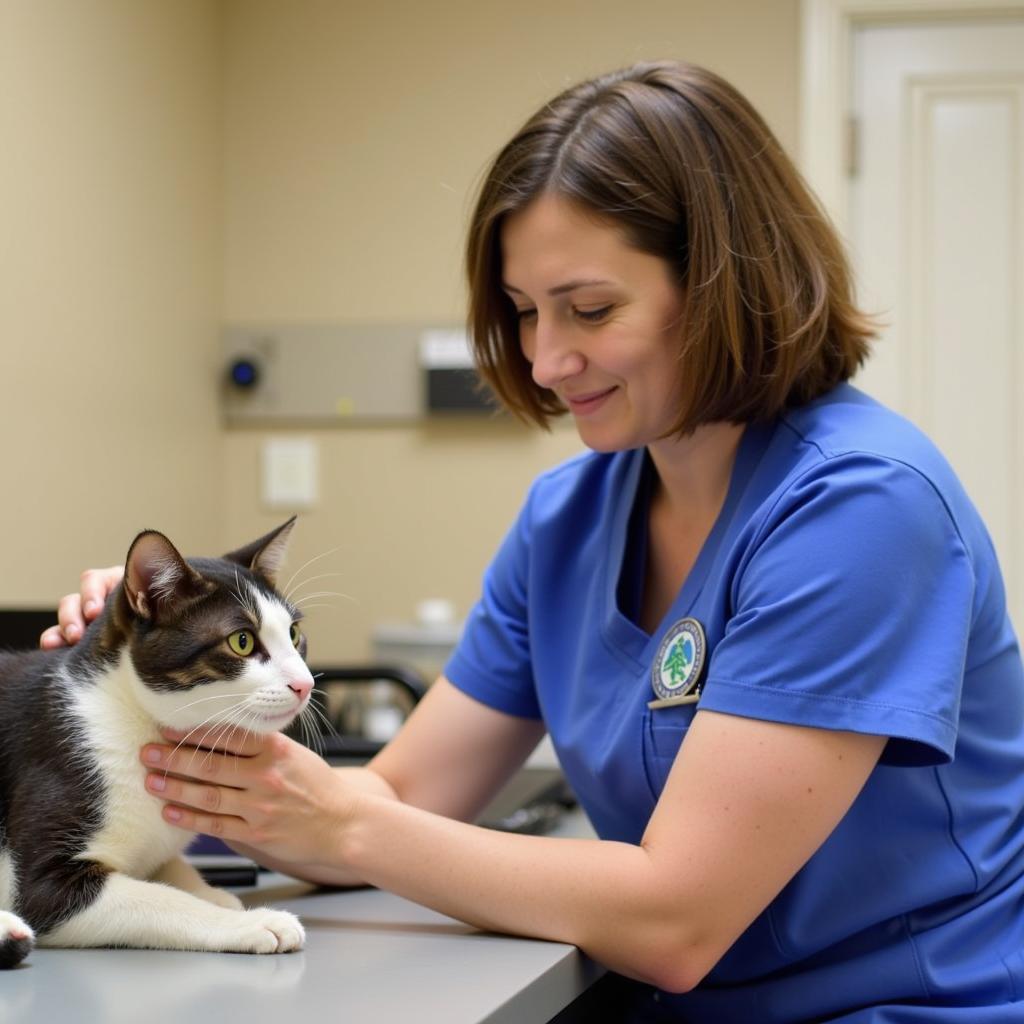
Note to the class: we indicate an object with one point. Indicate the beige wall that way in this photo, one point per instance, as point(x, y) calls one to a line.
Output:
point(352, 134)
point(110, 260)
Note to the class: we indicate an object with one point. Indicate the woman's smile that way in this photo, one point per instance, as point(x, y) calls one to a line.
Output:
point(587, 402)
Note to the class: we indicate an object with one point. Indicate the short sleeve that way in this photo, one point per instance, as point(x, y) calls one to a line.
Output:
point(492, 659)
point(852, 610)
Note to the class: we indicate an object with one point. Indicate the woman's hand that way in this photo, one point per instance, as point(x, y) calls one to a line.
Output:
point(76, 611)
point(275, 797)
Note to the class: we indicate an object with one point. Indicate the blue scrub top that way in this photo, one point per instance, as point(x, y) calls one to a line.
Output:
point(848, 583)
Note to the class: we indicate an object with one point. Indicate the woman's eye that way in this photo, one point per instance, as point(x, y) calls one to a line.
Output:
point(295, 634)
point(242, 642)
point(525, 314)
point(594, 316)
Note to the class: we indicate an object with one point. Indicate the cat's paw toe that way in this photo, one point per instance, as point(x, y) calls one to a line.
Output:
point(286, 929)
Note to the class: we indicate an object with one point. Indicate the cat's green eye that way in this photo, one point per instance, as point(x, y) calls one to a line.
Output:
point(295, 634)
point(243, 643)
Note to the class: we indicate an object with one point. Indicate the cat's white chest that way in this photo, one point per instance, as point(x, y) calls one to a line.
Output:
point(134, 838)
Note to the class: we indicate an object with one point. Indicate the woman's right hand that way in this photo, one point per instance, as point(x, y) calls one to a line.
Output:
point(76, 611)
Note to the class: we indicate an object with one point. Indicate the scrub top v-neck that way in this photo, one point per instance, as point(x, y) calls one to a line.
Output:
point(627, 556)
point(848, 583)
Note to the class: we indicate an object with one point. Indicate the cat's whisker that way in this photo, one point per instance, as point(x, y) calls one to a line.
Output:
point(314, 738)
point(305, 732)
point(322, 593)
point(213, 727)
point(254, 604)
point(226, 735)
point(228, 728)
point(237, 594)
point(185, 739)
point(247, 720)
point(226, 739)
point(309, 579)
point(220, 730)
point(220, 719)
point(310, 719)
point(316, 743)
point(246, 731)
point(246, 599)
point(228, 731)
point(314, 716)
point(317, 714)
point(249, 599)
point(286, 589)
point(216, 696)
point(300, 720)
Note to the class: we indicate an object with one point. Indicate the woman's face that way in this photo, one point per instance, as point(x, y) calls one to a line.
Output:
point(598, 321)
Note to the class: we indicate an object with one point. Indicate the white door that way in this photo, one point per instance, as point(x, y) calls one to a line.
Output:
point(937, 236)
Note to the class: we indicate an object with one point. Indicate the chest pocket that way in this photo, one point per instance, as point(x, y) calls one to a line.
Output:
point(663, 733)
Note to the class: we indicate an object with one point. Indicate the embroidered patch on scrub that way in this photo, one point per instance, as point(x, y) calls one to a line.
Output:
point(676, 672)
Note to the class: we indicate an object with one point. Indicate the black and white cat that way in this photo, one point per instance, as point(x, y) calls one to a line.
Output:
point(201, 645)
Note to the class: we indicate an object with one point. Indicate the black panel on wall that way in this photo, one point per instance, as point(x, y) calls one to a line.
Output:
point(20, 627)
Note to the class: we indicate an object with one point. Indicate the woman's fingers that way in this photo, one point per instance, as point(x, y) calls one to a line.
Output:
point(207, 799)
point(76, 611)
point(226, 739)
point(282, 799)
point(71, 621)
point(194, 763)
point(95, 587)
point(204, 789)
point(51, 638)
point(197, 785)
point(221, 826)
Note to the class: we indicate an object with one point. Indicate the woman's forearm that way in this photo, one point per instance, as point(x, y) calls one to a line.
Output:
point(366, 780)
point(601, 896)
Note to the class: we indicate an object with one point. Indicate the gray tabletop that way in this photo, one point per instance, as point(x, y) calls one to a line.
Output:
point(369, 956)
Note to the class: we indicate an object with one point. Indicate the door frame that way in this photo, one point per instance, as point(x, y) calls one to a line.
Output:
point(825, 145)
point(826, 79)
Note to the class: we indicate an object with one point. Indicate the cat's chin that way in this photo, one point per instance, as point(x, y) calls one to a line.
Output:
point(272, 723)
point(206, 734)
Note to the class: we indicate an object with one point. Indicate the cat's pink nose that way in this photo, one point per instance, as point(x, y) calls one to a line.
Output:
point(301, 688)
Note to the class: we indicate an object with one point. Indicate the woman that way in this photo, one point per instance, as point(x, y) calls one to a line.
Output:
point(761, 621)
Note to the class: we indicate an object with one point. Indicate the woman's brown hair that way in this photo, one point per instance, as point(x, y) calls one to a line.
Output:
point(682, 164)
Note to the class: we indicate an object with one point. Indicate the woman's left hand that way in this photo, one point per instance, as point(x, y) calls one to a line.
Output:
point(267, 793)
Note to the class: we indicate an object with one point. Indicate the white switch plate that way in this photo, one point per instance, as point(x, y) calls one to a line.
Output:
point(290, 472)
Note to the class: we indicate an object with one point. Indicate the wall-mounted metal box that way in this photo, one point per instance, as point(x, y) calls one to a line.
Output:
point(347, 373)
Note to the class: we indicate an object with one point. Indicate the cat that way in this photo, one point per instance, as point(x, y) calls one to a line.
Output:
point(204, 645)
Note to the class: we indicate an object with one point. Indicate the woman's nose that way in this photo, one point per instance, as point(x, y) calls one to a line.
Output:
point(553, 354)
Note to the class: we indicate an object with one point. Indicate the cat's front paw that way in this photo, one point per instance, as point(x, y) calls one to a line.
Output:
point(272, 931)
point(16, 939)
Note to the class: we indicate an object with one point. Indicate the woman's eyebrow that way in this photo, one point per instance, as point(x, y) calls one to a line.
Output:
point(560, 289)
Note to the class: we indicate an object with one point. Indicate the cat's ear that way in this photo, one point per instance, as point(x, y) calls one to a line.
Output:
point(266, 555)
point(156, 577)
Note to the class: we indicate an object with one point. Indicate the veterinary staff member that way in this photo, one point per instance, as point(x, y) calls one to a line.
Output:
point(761, 620)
